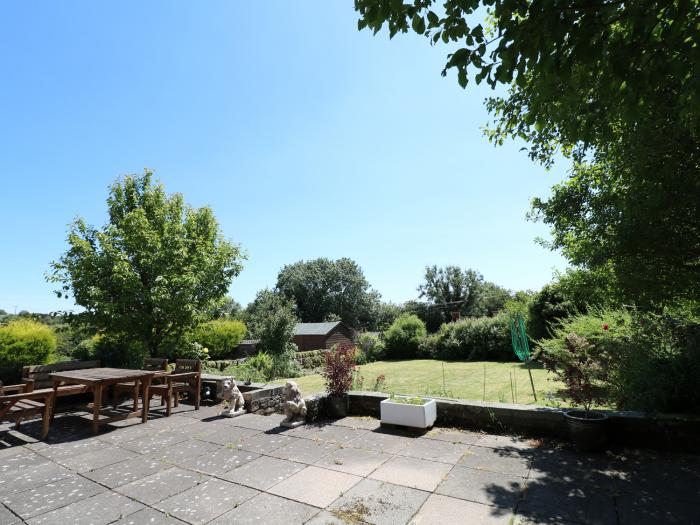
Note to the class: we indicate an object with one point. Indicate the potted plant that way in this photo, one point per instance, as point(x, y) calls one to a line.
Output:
point(415, 412)
point(338, 375)
point(581, 367)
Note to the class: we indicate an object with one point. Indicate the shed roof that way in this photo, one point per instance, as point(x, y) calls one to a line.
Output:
point(315, 328)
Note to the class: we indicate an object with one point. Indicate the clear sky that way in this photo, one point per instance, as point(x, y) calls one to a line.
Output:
point(305, 136)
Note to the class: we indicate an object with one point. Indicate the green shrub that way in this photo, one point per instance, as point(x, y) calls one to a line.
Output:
point(220, 336)
point(371, 345)
point(404, 336)
point(285, 364)
point(25, 342)
point(311, 359)
point(486, 338)
point(117, 352)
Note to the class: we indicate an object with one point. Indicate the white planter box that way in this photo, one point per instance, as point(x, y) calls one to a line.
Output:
point(417, 416)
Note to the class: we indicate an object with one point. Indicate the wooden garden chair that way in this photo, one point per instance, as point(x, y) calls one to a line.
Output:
point(25, 403)
point(187, 377)
point(152, 364)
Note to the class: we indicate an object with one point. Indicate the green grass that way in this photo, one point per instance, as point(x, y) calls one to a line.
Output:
point(462, 380)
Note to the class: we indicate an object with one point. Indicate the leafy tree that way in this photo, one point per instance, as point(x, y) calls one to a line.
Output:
point(324, 290)
point(622, 55)
point(152, 272)
point(454, 290)
point(431, 315)
point(270, 318)
point(384, 315)
point(220, 336)
point(610, 83)
point(404, 336)
point(228, 307)
point(494, 298)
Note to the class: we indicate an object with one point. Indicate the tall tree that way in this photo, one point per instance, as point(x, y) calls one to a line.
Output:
point(613, 85)
point(323, 289)
point(270, 318)
point(454, 290)
point(153, 271)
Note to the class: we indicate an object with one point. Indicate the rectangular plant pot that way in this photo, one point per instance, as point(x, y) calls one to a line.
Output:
point(414, 416)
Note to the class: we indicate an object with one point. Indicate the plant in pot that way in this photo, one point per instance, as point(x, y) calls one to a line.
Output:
point(581, 367)
point(338, 375)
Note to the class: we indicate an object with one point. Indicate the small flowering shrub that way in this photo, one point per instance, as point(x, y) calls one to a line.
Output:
point(338, 369)
point(581, 367)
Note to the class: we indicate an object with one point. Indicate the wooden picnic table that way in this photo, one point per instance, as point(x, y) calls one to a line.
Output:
point(98, 380)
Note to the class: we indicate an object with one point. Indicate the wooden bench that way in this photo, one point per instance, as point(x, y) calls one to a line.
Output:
point(37, 377)
point(17, 403)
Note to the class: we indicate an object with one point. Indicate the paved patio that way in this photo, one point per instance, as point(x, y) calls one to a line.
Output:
point(197, 468)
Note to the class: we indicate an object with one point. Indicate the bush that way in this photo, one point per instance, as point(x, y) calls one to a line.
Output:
point(285, 364)
point(404, 336)
point(338, 370)
point(372, 346)
point(311, 359)
point(220, 336)
point(116, 352)
point(25, 342)
point(486, 338)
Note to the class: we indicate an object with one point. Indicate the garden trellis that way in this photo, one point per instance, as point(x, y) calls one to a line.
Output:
point(521, 346)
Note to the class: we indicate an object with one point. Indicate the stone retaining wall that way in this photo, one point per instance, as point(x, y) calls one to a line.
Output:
point(665, 431)
point(266, 400)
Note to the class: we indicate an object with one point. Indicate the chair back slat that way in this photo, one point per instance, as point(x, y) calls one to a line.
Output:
point(187, 365)
point(155, 363)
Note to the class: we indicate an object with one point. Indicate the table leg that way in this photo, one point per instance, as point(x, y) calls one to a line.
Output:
point(96, 405)
point(56, 382)
point(135, 393)
point(145, 398)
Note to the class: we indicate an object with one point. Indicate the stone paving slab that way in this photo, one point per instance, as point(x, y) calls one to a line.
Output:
point(366, 423)
point(443, 510)
point(220, 461)
point(378, 503)
point(101, 509)
point(496, 460)
point(94, 459)
point(31, 477)
point(254, 421)
point(149, 516)
point(651, 510)
point(434, 450)
point(264, 472)
point(412, 472)
point(315, 486)
point(162, 485)
point(39, 500)
point(124, 472)
point(268, 510)
point(335, 434)
point(482, 486)
point(264, 443)
point(304, 451)
point(227, 434)
point(184, 451)
point(153, 443)
point(205, 502)
point(355, 461)
point(381, 442)
point(545, 502)
point(454, 435)
point(7, 517)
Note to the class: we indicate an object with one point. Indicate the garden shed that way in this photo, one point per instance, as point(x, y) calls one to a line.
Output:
point(314, 336)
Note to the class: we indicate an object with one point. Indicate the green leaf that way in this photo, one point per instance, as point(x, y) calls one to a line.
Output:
point(418, 24)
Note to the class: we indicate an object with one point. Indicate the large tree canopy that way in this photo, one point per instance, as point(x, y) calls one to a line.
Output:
point(324, 289)
point(615, 86)
point(153, 271)
point(622, 56)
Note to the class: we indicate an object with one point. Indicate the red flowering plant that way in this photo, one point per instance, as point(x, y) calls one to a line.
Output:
point(582, 368)
point(338, 369)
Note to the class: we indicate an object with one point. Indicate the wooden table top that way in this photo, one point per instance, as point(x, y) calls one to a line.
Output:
point(101, 375)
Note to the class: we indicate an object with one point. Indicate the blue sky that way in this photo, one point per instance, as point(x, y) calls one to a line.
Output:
point(305, 136)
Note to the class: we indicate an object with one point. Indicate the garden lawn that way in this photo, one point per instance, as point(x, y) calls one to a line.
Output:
point(480, 380)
